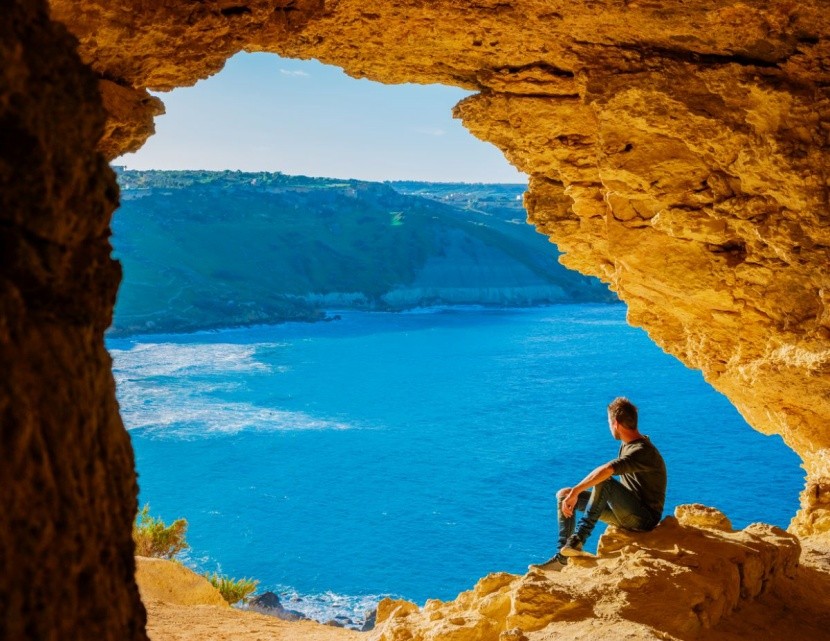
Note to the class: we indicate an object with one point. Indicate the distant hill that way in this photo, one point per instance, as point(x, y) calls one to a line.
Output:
point(217, 249)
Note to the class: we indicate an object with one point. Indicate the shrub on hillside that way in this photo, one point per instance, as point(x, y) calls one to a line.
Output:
point(154, 538)
point(233, 590)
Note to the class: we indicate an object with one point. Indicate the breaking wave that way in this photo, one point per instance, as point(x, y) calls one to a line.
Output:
point(189, 390)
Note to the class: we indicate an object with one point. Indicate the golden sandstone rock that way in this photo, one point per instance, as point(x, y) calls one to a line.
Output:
point(676, 582)
point(678, 150)
point(690, 578)
point(702, 516)
point(171, 582)
point(184, 606)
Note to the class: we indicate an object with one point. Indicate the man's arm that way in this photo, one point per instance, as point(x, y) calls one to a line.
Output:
point(599, 475)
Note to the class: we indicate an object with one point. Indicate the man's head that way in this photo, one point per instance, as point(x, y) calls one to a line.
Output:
point(622, 415)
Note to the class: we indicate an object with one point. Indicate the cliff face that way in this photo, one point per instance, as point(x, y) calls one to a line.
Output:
point(679, 151)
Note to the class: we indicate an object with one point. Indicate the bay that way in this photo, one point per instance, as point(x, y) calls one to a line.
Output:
point(411, 454)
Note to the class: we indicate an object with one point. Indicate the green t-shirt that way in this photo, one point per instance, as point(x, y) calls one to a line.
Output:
point(642, 470)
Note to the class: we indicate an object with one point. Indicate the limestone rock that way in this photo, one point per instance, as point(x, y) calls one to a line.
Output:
point(679, 579)
point(679, 151)
point(394, 608)
point(171, 582)
point(267, 600)
point(702, 516)
point(67, 483)
point(130, 114)
point(369, 623)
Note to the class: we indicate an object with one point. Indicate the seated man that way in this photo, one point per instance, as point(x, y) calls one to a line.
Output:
point(635, 502)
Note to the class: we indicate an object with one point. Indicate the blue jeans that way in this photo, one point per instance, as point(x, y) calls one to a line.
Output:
point(610, 502)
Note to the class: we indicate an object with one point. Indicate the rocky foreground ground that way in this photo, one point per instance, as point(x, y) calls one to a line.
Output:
point(184, 606)
point(693, 577)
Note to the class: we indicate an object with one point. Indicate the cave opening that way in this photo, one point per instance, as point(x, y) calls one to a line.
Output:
point(300, 473)
point(577, 77)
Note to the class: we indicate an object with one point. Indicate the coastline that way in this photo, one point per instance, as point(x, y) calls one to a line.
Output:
point(335, 314)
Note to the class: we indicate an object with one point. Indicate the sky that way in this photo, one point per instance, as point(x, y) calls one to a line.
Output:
point(266, 113)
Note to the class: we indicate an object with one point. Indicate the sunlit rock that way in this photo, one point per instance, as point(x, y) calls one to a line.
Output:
point(682, 579)
point(171, 582)
point(702, 516)
point(678, 151)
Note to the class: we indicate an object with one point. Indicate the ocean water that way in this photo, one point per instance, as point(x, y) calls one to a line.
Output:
point(411, 454)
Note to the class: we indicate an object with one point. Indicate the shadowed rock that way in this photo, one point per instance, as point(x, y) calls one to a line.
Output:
point(269, 603)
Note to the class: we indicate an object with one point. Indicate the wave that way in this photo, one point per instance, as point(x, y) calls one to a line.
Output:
point(348, 610)
point(166, 413)
point(181, 391)
point(174, 359)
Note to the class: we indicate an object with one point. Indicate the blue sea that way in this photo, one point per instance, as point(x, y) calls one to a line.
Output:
point(410, 454)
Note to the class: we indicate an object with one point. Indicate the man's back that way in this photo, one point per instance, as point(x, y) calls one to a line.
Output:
point(642, 470)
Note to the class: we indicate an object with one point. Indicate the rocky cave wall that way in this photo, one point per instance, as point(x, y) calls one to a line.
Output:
point(67, 485)
point(677, 150)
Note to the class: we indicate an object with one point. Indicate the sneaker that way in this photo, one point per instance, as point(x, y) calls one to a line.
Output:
point(573, 547)
point(554, 564)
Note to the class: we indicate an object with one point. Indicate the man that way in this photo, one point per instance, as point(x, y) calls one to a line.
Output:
point(635, 502)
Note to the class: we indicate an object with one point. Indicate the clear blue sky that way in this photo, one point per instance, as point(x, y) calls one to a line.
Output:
point(265, 113)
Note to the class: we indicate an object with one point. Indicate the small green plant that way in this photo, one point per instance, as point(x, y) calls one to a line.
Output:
point(233, 590)
point(154, 538)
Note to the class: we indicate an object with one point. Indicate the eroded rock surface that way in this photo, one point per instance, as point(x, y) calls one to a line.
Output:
point(67, 483)
point(680, 581)
point(169, 622)
point(173, 583)
point(679, 151)
point(184, 606)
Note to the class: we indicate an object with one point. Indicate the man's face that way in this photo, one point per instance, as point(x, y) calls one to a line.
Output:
point(614, 427)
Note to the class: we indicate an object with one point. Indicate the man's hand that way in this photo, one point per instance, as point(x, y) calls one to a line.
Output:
point(569, 502)
point(600, 474)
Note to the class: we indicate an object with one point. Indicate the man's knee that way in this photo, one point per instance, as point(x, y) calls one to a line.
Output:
point(561, 494)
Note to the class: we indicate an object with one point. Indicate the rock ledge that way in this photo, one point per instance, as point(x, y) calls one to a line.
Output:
point(676, 582)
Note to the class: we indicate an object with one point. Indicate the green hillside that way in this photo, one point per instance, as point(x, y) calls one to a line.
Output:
point(216, 249)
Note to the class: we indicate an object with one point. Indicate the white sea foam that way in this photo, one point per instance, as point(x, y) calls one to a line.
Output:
point(181, 391)
point(173, 359)
point(348, 610)
point(328, 606)
point(168, 414)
